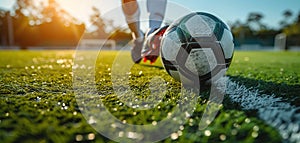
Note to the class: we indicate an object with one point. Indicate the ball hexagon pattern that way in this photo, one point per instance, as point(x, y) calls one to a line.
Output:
point(198, 45)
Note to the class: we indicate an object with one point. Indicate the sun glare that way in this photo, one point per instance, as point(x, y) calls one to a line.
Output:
point(82, 9)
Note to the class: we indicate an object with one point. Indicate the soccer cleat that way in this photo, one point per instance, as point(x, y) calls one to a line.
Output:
point(136, 50)
point(151, 46)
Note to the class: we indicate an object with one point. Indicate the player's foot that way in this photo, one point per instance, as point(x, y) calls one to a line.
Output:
point(151, 46)
point(136, 50)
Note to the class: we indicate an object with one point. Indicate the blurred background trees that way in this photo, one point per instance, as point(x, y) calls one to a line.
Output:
point(253, 31)
point(39, 23)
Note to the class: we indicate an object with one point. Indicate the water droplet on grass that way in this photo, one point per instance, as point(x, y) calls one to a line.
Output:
point(179, 133)
point(134, 113)
point(91, 136)
point(140, 73)
point(181, 127)
point(234, 132)
point(254, 134)
point(207, 133)
point(174, 136)
point(154, 123)
point(169, 114)
point(187, 114)
point(236, 125)
point(247, 120)
point(38, 99)
point(79, 137)
point(121, 134)
point(222, 137)
point(256, 128)
point(191, 120)
point(60, 61)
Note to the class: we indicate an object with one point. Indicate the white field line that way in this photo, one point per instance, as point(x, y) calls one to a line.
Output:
point(273, 110)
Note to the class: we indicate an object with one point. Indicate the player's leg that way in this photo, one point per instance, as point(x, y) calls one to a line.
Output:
point(156, 10)
point(132, 14)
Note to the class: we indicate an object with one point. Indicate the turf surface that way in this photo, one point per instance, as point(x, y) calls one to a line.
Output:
point(38, 102)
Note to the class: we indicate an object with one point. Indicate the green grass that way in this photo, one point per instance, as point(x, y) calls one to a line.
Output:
point(38, 102)
point(275, 73)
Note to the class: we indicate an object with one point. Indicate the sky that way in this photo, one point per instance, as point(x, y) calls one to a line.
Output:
point(228, 10)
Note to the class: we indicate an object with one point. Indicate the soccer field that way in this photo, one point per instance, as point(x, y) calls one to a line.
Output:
point(38, 103)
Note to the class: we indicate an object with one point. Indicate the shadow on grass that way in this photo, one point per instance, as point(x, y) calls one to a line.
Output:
point(289, 93)
point(153, 66)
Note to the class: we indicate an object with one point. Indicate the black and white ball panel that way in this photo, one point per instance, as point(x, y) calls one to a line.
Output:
point(196, 26)
point(227, 44)
point(201, 61)
point(198, 45)
point(172, 45)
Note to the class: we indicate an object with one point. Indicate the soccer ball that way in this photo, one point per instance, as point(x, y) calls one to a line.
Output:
point(197, 48)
